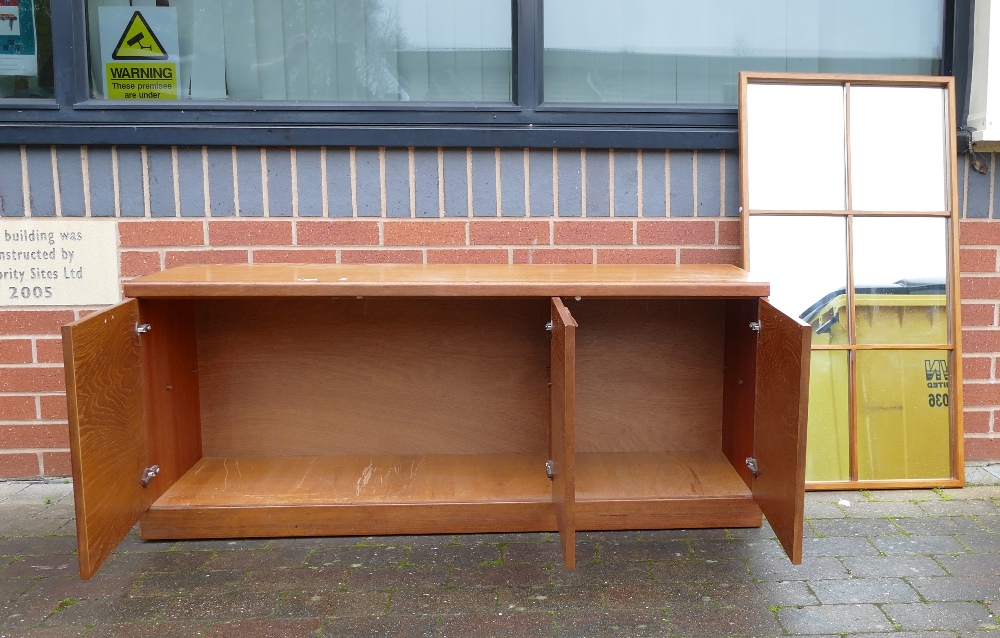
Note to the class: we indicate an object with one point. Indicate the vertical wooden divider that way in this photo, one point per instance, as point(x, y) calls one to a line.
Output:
point(562, 426)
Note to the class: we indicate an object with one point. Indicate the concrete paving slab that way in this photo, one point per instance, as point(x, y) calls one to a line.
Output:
point(905, 564)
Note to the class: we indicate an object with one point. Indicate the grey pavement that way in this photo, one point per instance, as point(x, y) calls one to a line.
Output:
point(905, 564)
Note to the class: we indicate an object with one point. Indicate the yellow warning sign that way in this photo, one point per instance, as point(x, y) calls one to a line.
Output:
point(150, 81)
point(138, 42)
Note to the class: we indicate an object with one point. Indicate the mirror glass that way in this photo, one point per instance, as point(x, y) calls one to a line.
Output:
point(814, 117)
point(828, 436)
point(805, 260)
point(900, 279)
point(888, 124)
point(903, 414)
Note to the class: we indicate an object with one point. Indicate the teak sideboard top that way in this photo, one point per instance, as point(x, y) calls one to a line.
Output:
point(441, 280)
point(260, 400)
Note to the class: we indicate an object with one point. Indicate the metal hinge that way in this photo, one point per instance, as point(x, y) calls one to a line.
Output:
point(148, 474)
point(550, 469)
point(548, 326)
point(752, 464)
point(142, 328)
point(755, 326)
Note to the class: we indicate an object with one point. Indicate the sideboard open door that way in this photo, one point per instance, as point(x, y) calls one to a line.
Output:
point(105, 396)
point(562, 426)
point(782, 404)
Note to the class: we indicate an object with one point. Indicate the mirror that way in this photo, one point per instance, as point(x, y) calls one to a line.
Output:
point(876, 281)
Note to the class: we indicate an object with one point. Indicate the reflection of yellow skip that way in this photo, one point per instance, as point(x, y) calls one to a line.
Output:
point(9, 17)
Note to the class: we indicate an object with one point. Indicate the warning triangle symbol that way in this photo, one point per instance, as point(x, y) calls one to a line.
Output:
point(138, 42)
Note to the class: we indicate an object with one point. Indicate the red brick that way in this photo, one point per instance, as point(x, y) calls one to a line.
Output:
point(673, 232)
point(161, 233)
point(981, 341)
point(15, 350)
point(54, 407)
point(978, 260)
point(980, 287)
point(34, 322)
point(49, 350)
point(979, 233)
point(977, 368)
point(468, 256)
point(509, 233)
point(32, 380)
point(336, 233)
point(978, 314)
point(587, 233)
point(637, 256)
point(17, 408)
point(185, 257)
point(19, 465)
point(730, 233)
point(57, 464)
point(381, 257)
point(982, 449)
point(424, 233)
point(138, 262)
point(710, 256)
point(976, 422)
point(553, 256)
point(981, 394)
point(271, 256)
point(14, 437)
point(250, 233)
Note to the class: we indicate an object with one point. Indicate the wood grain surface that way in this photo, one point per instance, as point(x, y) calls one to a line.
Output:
point(289, 377)
point(105, 396)
point(780, 431)
point(363, 480)
point(639, 476)
point(739, 384)
point(649, 374)
point(414, 280)
point(270, 521)
point(562, 427)
point(170, 363)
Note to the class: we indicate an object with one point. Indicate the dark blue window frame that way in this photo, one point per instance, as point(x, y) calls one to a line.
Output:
point(73, 117)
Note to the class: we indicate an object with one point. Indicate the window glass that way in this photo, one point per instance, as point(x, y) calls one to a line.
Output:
point(25, 49)
point(676, 51)
point(330, 50)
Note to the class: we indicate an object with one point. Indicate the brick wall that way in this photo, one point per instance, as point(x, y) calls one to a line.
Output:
point(980, 266)
point(212, 205)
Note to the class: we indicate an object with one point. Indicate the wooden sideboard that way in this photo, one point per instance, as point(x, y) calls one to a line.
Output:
point(309, 400)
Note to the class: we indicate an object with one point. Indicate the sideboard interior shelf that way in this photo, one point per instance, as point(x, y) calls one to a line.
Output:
point(304, 400)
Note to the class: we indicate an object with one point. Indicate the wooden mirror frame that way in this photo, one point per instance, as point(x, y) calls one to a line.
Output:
point(789, 144)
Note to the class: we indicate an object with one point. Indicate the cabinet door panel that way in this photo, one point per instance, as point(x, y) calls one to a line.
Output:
point(780, 424)
point(562, 426)
point(104, 391)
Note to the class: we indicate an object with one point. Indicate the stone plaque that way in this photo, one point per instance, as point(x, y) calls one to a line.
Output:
point(58, 262)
